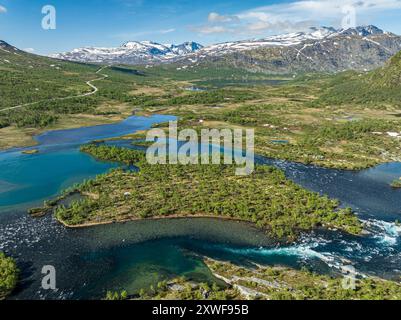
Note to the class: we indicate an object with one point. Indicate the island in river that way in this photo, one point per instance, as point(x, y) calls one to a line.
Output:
point(396, 183)
point(265, 198)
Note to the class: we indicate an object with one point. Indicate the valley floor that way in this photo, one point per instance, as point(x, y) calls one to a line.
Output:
point(293, 120)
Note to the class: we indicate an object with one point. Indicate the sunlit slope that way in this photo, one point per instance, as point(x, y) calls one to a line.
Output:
point(389, 76)
point(26, 78)
point(381, 87)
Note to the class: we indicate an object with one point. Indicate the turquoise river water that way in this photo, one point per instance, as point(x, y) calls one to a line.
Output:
point(135, 255)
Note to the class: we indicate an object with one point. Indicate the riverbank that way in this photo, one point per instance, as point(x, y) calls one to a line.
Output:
point(172, 217)
point(281, 283)
point(268, 283)
point(12, 137)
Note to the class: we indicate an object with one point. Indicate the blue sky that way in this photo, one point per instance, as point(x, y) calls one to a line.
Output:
point(112, 22)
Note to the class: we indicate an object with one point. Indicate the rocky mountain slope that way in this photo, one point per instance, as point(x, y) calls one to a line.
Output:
point(322, 50)
point(132, 52)
point(6, 50)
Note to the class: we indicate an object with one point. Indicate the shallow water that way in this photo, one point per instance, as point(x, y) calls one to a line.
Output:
point(138, 254)
point(40, 176)
point(31, 178)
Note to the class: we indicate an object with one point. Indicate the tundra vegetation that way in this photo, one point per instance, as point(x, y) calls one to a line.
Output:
point(183, 289)
point(279, 283)
point(396, 183)
point(235, 282)
point(265, 198)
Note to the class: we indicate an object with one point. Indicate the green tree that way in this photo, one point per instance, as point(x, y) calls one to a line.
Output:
point(8, 275)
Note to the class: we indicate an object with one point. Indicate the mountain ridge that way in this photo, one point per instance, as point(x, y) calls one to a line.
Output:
point(6, 47)
point(322, 50)
point(131, 52)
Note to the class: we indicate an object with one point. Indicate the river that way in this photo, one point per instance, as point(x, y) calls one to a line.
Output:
point(135, 255)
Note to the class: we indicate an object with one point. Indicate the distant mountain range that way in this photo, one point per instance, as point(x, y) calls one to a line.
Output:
point(132, 52)
point(322, 49)
point(319, 50)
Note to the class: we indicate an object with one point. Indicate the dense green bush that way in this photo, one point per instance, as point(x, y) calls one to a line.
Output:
point(8, 275)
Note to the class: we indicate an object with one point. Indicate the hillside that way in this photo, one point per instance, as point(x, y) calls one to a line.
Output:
point(57, 94)
point(389, 76)
point(39, 92)
point(380, 87)
point(38, 78)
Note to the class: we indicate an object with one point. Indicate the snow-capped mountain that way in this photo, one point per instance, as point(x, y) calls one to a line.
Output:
point(131, 52)
point(319, 49)
point(283, 40)
point(363, 31)
point(288, 40)
point(140, 52)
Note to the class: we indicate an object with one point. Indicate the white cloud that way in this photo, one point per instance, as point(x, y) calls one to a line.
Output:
point(259, 25)
point(211, 29)
point(318, 10)
point(167, 31)
point(30, 50)
point(218, 23)
point(295, 16)
point(3, 9)
point(215, 17)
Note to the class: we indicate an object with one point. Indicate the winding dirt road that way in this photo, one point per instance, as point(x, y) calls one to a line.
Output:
point(89, 83)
